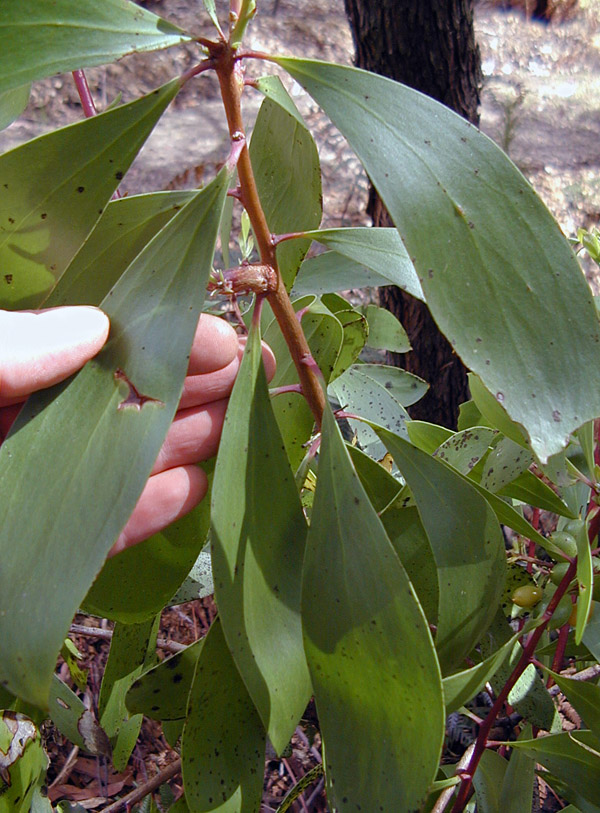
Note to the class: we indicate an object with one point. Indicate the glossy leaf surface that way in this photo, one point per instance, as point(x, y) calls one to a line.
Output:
point(222, 754)
point(499, 277)
point(40, 39)
point(352, 646)
point(96, 435)
point(47, 213)
point(469, 554)
point(258, 538)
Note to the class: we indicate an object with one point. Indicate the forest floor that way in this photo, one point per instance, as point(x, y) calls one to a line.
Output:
point(540, 102)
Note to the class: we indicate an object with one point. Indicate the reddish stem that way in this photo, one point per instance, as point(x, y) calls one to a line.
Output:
point(524, 661)
point(85, 95)
point(559, 654)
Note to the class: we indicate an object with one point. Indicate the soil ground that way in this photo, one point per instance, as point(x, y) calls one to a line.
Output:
point(541, 102)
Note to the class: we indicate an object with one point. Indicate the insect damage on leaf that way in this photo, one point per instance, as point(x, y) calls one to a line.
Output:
point(134, 398)
point(22, 730)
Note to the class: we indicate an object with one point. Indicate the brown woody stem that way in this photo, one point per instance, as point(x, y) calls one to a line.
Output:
point(231, 82)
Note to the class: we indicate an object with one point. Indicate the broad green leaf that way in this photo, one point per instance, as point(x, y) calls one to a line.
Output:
point(364, 396)
point(488, 780)
point(361, 618)
point(407, 535)
point(380, 251)
point(585, 697)
point(296, 422)
point(465, 449)
point(380, 485)
point(470, 556)
point(462, 686)
point(22, 761)
point(529, 696)
point(332, 272)
point(75, 721)
point(132, 647)
point(258, 537)
point(137, 583)
point(96, 435)
point(40, 39)
point(505, 463)
point(286, 167)
point(498, 275)
point(569, 794)
point(47, 212)
point(124, 228)
point(573, 757)
point(385, 331)
point(517, 789)
point(223, 744)
point(427, 436)
point(12, 104)
point(406, 388)
point(161, 693)
point(532, 491)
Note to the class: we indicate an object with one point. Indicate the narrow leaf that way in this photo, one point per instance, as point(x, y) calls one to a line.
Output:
point(488, 780)
point(83, 438)
point(258, 542)
point(585, 697)
point(46, 211)
point(75, 721)
point(470, 556)
point(498, 275)
point(40, 39)
point(222, 754)
point(354, 645)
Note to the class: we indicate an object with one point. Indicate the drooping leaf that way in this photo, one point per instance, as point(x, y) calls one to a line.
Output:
point(573, 757)
point(488, 780)
point(132, 648)
point(97, 434)
point(381, 486)
point(585, 581)
point(286, 167)
point(470, 556)
point(532, 491)
point(47, 212)
point(124, 228)
point(274, 89)
point(380, 251)
point(258, 537)
point(353, 645)
point(222, 753)
point(161, 693)
point(499, 277)
point(12, 104)
point(516, 794)
point(75, 721)
point(332, 272)
point(22, 761)
point(41, 39)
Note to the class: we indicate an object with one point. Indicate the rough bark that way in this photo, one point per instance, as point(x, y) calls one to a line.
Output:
point(430, 46)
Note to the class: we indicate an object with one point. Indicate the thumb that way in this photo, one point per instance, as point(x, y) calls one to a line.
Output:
point(41, 348)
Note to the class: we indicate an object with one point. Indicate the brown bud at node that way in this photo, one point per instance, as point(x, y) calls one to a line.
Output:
point(244, 279)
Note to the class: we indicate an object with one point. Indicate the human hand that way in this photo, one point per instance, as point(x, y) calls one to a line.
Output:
point(39, 349)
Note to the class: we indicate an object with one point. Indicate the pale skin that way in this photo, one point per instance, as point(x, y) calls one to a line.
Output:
point(41, 348)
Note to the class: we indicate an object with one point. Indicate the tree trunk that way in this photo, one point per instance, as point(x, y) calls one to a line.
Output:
point(430, 46)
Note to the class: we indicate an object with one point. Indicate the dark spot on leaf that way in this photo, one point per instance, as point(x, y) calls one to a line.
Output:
point(11, 220)
point(8, 278)
point(556, 416)
point(118, 175)
point(44, 215)
point(177, 678)
point(81, 189)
